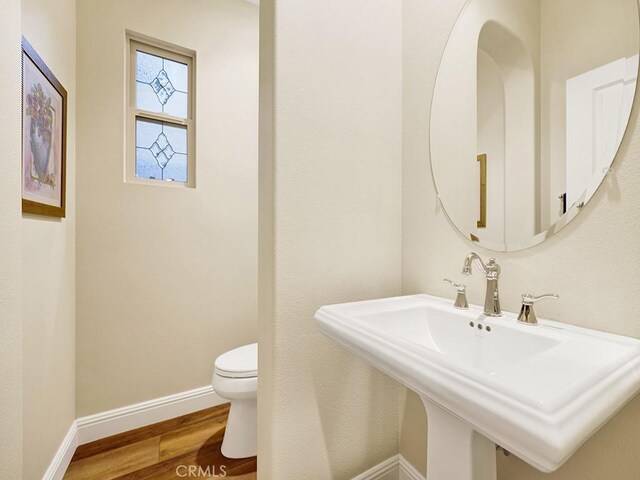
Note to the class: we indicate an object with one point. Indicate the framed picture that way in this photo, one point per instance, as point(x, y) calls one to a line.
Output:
point(44, 132)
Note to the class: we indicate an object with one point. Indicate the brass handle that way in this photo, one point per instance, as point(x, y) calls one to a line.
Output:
point(482, 223)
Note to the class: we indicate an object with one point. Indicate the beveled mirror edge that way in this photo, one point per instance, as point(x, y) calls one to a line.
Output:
point(574, 210)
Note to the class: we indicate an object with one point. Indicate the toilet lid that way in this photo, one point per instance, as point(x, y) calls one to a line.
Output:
point(240, 362)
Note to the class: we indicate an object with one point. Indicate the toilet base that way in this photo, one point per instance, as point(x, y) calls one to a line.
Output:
point(241, 435)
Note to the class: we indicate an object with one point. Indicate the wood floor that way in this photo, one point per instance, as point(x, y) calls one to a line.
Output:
point(165, 450)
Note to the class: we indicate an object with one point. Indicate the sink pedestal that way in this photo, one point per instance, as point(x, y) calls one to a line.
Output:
point(455, 450)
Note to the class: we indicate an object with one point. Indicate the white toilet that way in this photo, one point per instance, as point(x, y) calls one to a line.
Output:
point(235, 378)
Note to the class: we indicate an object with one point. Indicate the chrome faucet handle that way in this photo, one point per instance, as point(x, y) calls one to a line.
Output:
point(458, 286)
point(461, 298)
point(527, 314)
point(530, 299)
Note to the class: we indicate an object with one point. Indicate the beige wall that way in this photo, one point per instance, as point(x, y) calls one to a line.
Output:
point(596, 32)
point(266, 230)
point(592, 263)
point(11, 363)
point(167, 277)
point(330, 229)
point(48, 264)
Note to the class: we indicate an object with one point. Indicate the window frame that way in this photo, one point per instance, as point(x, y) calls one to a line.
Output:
point(158, 48)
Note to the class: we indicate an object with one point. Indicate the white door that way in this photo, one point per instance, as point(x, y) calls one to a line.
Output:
point(598, 107)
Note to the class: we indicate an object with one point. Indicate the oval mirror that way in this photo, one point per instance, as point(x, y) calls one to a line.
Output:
point(531, 102)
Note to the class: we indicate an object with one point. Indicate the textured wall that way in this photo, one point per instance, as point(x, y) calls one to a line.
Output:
point(592, 263)
point(167, 277)
point(10, 265)
point(48, 262)
point(330, 229)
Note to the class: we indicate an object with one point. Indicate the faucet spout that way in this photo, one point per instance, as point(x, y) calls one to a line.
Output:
point(492, 271)
point(468, 264)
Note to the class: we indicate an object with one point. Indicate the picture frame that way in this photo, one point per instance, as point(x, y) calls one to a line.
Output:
point(44, 137)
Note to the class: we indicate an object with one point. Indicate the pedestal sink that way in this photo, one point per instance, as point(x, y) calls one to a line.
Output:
point(537, 391)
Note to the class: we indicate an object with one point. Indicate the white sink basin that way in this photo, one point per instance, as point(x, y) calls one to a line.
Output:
point(538, 391)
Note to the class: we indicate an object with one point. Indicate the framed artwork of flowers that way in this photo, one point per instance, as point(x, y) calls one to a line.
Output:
point(44, 125)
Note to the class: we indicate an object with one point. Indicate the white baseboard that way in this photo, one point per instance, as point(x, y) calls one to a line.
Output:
point(394, 468)
point(408, 471)
point(105, 424)
point(101, 425)
point(387, 470)
point(62, 458)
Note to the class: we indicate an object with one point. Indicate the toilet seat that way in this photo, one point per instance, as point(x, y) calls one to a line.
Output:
point(241, 362)
point(235, 388)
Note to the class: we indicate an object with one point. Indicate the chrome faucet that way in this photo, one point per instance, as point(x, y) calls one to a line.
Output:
point(492, 271)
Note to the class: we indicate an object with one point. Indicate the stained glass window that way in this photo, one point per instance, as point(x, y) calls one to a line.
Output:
point(161, 85)
point(161, 114)
point(161, 151)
